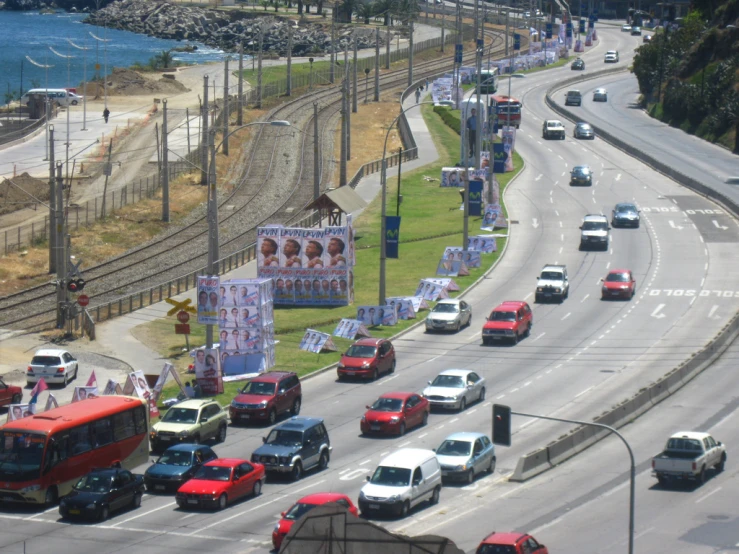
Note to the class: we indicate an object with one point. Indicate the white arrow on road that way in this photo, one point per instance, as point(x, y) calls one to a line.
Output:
point(716, 224)
point(535, 223)
point(672, 224)
point(713, 311)
point(656, 313)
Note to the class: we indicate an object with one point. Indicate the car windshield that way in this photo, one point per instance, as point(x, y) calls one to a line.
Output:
point(213, 473)
point(496, 549)
point(285, 437)
point(548, 276)
point(625, 208)
point(391, 476)
point(454, 448)
point(594, 226)
point(20, 455)
point(259, 388)
point(180, 415)
point(618, 278)
point(445, 308)
point(360, 351)
point(298, 510)
point(580, 170)
point(176, 458)
point(584, 126)
point(503, 316)
point(450, 381)
point(46, 360)
point(387, 405)
point(94, 483)
point(553, 124)
point(693, 445)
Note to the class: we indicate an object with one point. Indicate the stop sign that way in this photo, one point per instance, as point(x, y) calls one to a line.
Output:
point(183, 316)
point(83, 300)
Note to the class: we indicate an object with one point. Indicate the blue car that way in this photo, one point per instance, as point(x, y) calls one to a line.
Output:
point(176, 465)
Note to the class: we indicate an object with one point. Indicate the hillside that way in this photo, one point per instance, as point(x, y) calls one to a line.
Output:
point(689, 76)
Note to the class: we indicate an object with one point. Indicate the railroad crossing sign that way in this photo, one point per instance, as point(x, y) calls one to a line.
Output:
point(180, 306)
point(83, 300)
point(183, 316)
point(73, 269)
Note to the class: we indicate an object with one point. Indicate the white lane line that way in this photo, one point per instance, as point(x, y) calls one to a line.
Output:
point(556, 213)
point(453, 420)
point(561, 248)
point(305, 488)
point(568, 315)
point(500, 396)
point(640, 535)
point(526, 384)
point(406, 443)
point(421, 436)
point(471, 412)
point(345, 470)
point(239, 514)
point(144, 514)
point(585, 297)
point(489, 403)
point(701, 499)
point(365, 462)
point(583, 392)
point(527, 296)
point(537, 338)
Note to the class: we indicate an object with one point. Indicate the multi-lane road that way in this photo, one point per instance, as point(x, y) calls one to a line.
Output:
point(582, 357)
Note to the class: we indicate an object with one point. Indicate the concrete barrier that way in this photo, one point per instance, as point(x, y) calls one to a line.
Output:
point(530, 465)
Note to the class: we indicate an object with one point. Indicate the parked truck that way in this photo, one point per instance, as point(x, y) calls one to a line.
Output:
point(688, 455)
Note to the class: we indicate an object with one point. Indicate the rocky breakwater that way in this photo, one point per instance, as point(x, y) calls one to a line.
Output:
point(224, 30)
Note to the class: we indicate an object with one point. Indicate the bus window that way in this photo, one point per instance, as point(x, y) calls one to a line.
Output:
point(123, 425)
point(102, 433)
point(139, 416)
point(79, 438)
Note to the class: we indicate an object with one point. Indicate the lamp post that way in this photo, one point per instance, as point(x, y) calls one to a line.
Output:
point(84, 80)
point(45, 67)
point(383, 180)
point(366, 83)
point(67, 144)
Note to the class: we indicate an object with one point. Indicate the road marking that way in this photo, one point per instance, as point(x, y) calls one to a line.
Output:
point(585, 298)
point(560, 225)
point(656, 313)
point(640, 535)
point(618, 177)
point(500, 396)
point(526, 384)
point(568, 315)
point(608, 265)
point(538, 177)
point(240, 514)
point(537, 338)
point(310, 486)
point(527, 296)
point(421, 436)
point(144, 514)
point(561, 248)
point(535, 222)
point(713, 311)
point(406, 443)
point(365, 462)
point(354, 474)
point(716, 224)
point(672, 224)
point(707, 495)
point(583, 392)
point(452, 421)
point(564, 173)
point(471, 412)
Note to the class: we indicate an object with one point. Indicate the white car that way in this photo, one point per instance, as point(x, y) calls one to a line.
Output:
point(600, 95)
point(626, 28)
point(55, 366)
point(611, 56)
point(454, 389)
point(450, 314)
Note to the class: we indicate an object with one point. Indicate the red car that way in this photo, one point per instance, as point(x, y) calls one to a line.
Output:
point(304, 505)
point(221, 481)
point(619, 283)
point(509, 321)
point(394, 413)
point(510, 543)
point(267, 396)
point(10, 394)
point(367, 358)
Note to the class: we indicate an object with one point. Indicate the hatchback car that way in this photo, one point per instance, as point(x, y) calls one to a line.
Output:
point(619, 283)
point(581, 175)
point(578, 64)
point(177, 465)
point(450, 314)
point(510, 321)
point(367, 358)
point(647, 38)
point(510, 543)
point(55, 366)
point(584, 131)
point(305, 505)
point(625, 214)
point(193, 421)
point(394, 413)
point(266, 397)
point(600, 95)
point(101, 492)
point(462, 456)
point(220, 482)
point(454, 389)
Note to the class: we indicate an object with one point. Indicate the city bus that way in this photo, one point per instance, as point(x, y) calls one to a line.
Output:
point(507, 110)
point(42, 456)
point(489, 81)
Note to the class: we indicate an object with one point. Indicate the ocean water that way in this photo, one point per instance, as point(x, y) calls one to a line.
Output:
point(32, 34)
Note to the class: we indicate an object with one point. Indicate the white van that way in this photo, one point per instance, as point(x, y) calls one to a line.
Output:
point(403, 480)
point(59, 95)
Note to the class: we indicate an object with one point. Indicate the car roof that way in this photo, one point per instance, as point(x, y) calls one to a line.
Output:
point(690, 435)
point(322, 498)
point(49, 352)
point(619, 271)
point(449, 301)
point(272, 376)
point(458, 372)
point(595, 217)
point(407, 458)
point(583, 124)
point(510, 305)
point(397, 395)
point(111, 471)
point(503, 538)
point(368, 342)
point(581, 167)
point(626, 205)
point(300, 423)
point(226, 462)
point(194, 403)
point(186, 447)
point(464, 436)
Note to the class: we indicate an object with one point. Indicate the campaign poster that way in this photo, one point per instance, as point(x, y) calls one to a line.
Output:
point(339, 283)
point(451, 177)
point(207, 371)
point(453, 253)
point(404, 306)
point(19, 411)
point(315, 288)
point(140, 386)
point(451, 268)
point(475, 198)
point(350, 328)
point(269, 273)
point(112, 387)
point(509, 142)
point(336, 254)
point(83, 393)
point(314, 341)
point(389, 315)
point(284, 292)
point(430, 290)
point(208, 300)
point(303, 285)
point(490, 216)
point(229, 294)
point(268, 247)
point(471, 258)
point(291, 247)
point(368, 315)
point(324, 295)
point(447, 283)
point(312, 248)
point(248, 292)
point(483, 243)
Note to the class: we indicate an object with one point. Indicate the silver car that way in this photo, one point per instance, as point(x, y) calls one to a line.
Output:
point(465, 455)
point(454, 389)
point(584, 131)
point(600, 95)
point(449, 315)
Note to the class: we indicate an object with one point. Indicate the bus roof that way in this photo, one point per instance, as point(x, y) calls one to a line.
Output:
point(504, 98)
point(71, 415)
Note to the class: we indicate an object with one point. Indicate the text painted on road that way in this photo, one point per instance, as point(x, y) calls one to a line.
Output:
point(692, 292)
point(674, 209)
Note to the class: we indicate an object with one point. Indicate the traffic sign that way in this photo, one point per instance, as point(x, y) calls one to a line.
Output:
point(179, 306)
point(183, 316)
point(83, 300)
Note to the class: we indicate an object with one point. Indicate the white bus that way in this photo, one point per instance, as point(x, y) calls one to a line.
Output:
point(59, 95)
point(489, 81)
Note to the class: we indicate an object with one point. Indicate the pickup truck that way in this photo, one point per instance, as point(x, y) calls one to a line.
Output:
point(688, 455)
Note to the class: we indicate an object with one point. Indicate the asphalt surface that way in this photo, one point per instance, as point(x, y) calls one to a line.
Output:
point(582, 357)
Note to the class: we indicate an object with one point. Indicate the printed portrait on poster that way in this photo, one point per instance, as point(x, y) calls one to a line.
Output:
point(389, 315)
point(471, 258)
point(284, 292)
point(207, 370)
point(83, 393)
point(268, 247)
point(140, 386)
point(451, 177)
point(303, 285)
point(290, 241)
point(449, 268)
point(483, 243)
point(312, 248)
point(405, 308)
point(19, 411)
point(208, 304)
point(349, 328)
point(335, 242)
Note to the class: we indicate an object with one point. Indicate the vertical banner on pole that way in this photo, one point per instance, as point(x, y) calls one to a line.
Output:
point(475, 202)
point(392, 236)
point(549, 30)
point(499, 157)
point(516, 42)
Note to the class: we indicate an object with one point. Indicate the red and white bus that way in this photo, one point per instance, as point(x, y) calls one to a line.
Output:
point(507, 109)
point(44, 455)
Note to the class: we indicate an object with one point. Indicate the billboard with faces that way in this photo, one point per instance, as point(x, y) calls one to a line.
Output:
point(268, 247)
point(208, 300)
point(482, 243)
point(430, 290)
point(350, 328)
point(404, 306)
point(336, 252)
point(291, 248)
point(312, 248)
point(452, 177)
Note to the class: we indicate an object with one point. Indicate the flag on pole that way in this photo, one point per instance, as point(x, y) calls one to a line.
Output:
point(40, 387)
point(92, 381)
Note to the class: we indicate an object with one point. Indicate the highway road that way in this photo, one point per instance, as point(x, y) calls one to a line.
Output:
point(582, 357)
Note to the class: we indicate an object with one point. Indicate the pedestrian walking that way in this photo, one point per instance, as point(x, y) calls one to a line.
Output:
point(418, 95)
point(472, 131)
point(106, 114)
point(427, 84)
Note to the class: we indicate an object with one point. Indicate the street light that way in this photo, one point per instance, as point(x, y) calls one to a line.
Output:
point(383, 180)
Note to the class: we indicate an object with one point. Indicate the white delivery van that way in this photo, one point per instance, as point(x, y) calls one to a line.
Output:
point(58, 95)
point(403, 480)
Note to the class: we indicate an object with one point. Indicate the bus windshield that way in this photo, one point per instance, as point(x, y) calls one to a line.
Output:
point(21, 455)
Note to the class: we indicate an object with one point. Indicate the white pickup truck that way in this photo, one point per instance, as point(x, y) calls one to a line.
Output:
point(688, 455)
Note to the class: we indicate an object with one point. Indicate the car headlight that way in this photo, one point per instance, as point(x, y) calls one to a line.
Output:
point(361, 495)
point(31, 488)
point(540, 289)
point(341, 366)
point(624, 287)
point(91, 506)
point(183, 433)
point(277, 527)
point(264, 403)
point(364, 418)
point(557, 290)
point(394, 498)
point(605, 289)
point(285, 459)
point(153, 434)
point(462, 467)
point(394, 419)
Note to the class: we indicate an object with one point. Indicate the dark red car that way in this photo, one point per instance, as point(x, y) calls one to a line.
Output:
point(394, 413)
point(367, 358)
point(619, 283)
point(267, 396)
point(304, 505)
point(221, 481)
point(510, 543)
point(10, 394)
point(510, 321)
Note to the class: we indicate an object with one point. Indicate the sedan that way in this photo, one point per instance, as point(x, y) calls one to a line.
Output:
point(626, 28)
point(578, 64)
point(636, 31)
point(600, 95)
point(625, 214)
point(101, 492)
point(465, 455)
point(647, 38)
point(10, 394)
point(367, 358)
point(177, 465)
point(221, 481)
point(454, 389)
point(449, 314)
point(581, 175)
point(394, 413)
point(305, 505)
point(584, 131)
point(619, 283)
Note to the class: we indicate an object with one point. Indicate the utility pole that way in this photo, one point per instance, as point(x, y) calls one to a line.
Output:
point(507, 31)
point(289, 89)
point(410, 51)
point(377, 64)
point(107, 171)
point(165, 166)
point(213, 240)
point(466, 226)
point(259, 70)
point(332, 74)
point(348, 111)
point(387, 49)
point(480, 115)
point(443, 27)
point(59, 248)
point(52, 203)
point(475, 17)
point(204, 138)
point(225, 108)
point(354, 79)
point(316, 160)
point(240, 115)
point(342, 146)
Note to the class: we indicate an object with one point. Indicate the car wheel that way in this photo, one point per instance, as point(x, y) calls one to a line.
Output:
point(425, 420)
point(136, 502)
point(74, 102)
point(491, 467)
point(515, 338)
point(272, 417)
point(222, 502)
point(375, 374)
point(222, 433)
point(392, 367)
point(17, 399)
point(297, 471)
point(257, 490)
point(702, 476)
point(527, 332)
point(435, 496)
point(76, 369)
point(323, 461)
point(482, 395)
point(470, 477)
point(401, 429)
point(458, 327)
point(722, 464)
point(405, 508)
point(463, 404)
point(296, 407)
point(104, 513)
point(51, 497)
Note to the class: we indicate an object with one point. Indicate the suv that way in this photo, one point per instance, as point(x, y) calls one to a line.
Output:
point(553, 128)
point(190, 421)
point(10, 394)
point(267, 396)
point(573, 98)
point(552, 284)
point(511, 320)
point(635, 31)
point(55, 366)
point(299, 444)
point(594, 232)
point(611, 57)
point(511, 543)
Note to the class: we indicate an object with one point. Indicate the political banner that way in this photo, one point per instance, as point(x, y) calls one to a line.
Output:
point(291, 246)
point(312, 248)
point(83, 393)
point(167, 370)
point(208, 300)
point(450, 177)
point(268, 246)
point(470, 258)
point(339, 285)
point(207, 371)
point(316, 341)
point(351, 329)
point(112, 387)
point(499, 157)
point(582, 26)
point(508, 138)
point(302, 285)
point(284, 292)
point(388, 315)
point(451, 268)
point(449, 284)
point(475, 198)
point(336, 251)
point(489, 217)
point(19, 411)
point(549, 30)
point(52, 403)
point(419, 303)
point(482, 243)
point(516, 41)
point(430, 291)
point(392, 236)
point(405, 307)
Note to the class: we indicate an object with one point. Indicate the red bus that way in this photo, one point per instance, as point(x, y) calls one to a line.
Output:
point(44, 455)
point(507, 109)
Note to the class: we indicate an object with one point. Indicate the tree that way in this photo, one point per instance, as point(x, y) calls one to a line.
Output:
point(385, 9)
point(165, 59)
point(363, 11)
point(264, 4)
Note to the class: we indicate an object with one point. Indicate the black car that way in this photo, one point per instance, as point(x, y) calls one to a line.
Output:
point(581, 175)
point(177, 465)
point(578, 65)
point(584, 131)
point(625, 214)
point(101, 492)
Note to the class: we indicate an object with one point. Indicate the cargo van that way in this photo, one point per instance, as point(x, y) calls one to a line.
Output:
point(61, 96)
point(403, 480)
point(573, 98)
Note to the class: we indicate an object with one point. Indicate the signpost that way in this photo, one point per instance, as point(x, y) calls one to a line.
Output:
point(183, 311)
point(83, 300)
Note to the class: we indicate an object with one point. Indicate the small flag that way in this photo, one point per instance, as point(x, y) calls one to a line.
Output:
point(92, 381)
point(40, 387)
